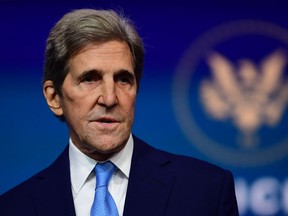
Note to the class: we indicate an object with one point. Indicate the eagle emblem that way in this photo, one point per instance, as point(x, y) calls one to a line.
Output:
point(249, 95)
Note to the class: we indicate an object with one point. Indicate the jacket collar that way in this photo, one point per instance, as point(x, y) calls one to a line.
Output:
point(150, 181)
point(54, 184)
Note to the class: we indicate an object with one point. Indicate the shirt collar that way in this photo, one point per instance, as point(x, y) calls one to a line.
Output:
point(81, 165)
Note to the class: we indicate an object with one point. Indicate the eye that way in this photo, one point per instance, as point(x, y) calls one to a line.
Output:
point(89, 77)
point(125, 77)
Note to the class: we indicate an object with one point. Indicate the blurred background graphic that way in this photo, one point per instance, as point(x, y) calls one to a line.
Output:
point(215, 87)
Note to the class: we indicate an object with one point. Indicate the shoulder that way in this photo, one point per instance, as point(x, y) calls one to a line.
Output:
point(40, 183)
point(185, 166)
point(20, 196)
point(208, 186)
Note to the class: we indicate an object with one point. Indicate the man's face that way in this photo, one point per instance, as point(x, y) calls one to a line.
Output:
point(98, 99)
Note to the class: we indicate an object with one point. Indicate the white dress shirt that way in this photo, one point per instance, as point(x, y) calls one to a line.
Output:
point(83, 179)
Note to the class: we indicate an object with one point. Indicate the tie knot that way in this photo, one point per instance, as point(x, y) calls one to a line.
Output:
point(104, 171)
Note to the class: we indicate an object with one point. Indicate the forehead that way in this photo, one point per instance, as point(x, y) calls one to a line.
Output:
point(111, 51)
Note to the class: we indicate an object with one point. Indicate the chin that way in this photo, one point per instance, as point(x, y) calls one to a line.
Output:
point(108, 146)
point(102, 152)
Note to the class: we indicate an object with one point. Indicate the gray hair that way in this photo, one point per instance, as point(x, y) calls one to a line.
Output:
point(77, 29)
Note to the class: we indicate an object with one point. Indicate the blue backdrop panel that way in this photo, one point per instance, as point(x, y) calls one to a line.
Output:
point(214, 87)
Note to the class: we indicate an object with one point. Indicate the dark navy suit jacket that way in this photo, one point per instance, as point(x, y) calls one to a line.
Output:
point(160, 183)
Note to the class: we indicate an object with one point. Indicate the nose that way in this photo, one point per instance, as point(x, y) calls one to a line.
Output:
point(107, 97)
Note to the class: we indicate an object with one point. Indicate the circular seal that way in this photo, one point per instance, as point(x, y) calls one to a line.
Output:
point(219, 140)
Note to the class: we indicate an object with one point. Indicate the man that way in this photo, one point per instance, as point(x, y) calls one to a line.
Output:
point(93, 67)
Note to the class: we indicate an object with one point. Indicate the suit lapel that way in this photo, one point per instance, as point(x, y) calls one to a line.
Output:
point(52, 193)
point(150, 182)
point(149, 186)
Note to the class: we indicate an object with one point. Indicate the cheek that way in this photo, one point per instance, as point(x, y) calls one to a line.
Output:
point(131, 113)
point(129, 103)
point(74, 110)
point(76, 100)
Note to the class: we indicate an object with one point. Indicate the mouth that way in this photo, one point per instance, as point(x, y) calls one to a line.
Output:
point(106, 121)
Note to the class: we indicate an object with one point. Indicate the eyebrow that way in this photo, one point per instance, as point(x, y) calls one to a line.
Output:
point(129, 76)
point(89, 72)
point(126, 72)
point(100, 73)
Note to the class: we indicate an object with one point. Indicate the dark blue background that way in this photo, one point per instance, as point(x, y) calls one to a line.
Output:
point(31, 138)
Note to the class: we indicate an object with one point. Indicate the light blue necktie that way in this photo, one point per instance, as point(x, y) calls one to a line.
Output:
point(103, 204)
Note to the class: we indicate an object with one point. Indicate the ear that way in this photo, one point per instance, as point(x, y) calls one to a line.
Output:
point(52, 98)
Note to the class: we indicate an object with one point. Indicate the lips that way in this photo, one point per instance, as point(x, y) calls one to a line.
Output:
point(106, 120)
point(106, 124)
